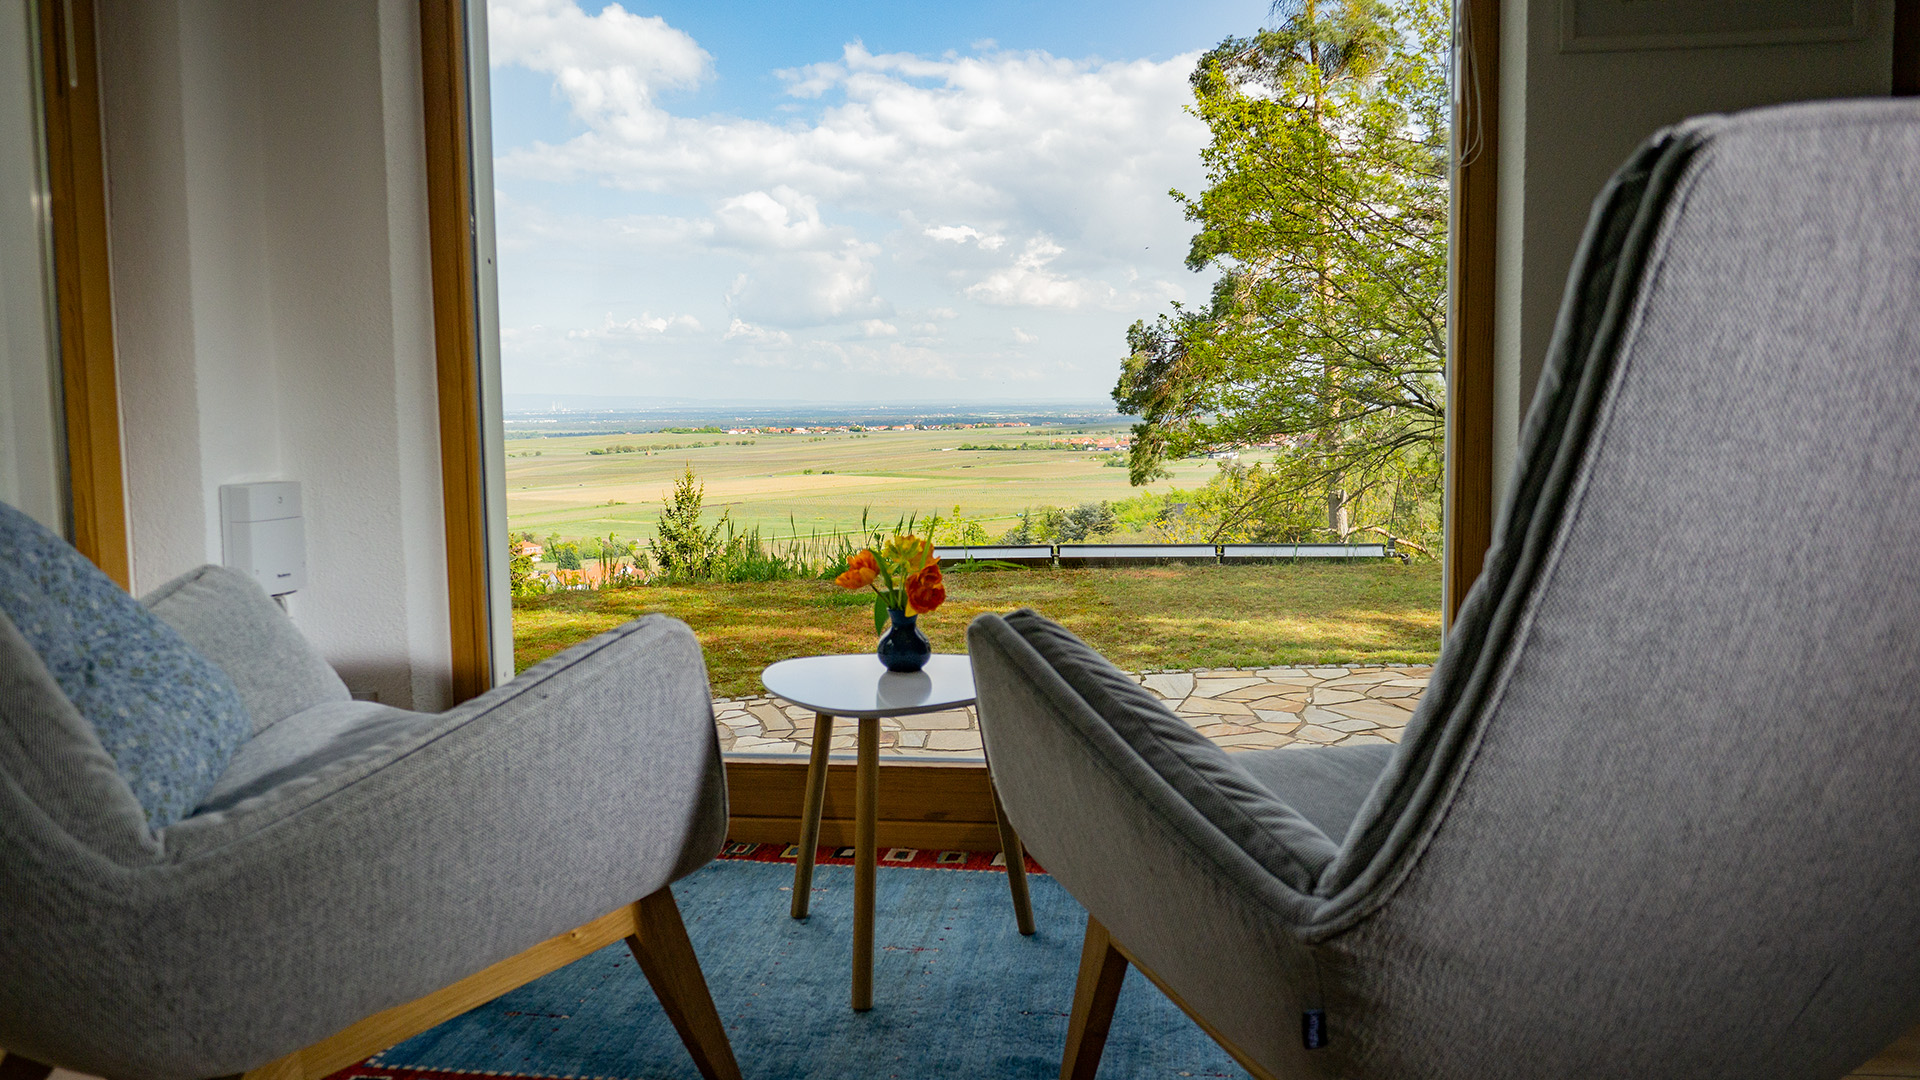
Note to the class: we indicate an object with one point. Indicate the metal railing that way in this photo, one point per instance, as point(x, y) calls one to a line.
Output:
point(1136, 554)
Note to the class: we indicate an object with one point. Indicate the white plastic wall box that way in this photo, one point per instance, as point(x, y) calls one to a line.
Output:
point(263, 534)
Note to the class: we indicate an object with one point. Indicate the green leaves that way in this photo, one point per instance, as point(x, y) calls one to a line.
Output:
point(1325, 211)
point(879, 614)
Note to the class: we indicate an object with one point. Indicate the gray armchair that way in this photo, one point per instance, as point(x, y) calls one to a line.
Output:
point(357, 873)
point(1656, 815)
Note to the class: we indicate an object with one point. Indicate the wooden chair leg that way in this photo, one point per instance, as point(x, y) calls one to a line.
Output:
point(1102, 969)
point(667, 959)
point(15, 1067)
point(1016, 856)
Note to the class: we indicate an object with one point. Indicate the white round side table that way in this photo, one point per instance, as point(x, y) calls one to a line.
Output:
point(858, 686)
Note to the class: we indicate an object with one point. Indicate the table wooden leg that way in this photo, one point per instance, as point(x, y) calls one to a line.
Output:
point(1016, 857)
point(810, 814)
point(866, 780)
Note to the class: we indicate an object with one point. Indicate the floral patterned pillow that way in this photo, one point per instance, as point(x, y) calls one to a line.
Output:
point(168, 716)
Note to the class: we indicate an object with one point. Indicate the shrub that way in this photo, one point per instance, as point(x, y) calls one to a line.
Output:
point(521, 579)
point(1071, 525)
point(959, 530)
point(685, 549)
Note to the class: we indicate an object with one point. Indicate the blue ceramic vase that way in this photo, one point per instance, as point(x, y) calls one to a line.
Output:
point(903, 647)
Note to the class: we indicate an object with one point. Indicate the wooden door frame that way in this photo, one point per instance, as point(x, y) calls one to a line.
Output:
point(1470, 367)
point(1471, 314)
point(456, 331)
point(83, 289)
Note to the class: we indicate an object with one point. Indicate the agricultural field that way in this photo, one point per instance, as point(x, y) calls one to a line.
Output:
point(813, 484)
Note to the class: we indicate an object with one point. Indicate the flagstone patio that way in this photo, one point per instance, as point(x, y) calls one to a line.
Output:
point(1238, 708)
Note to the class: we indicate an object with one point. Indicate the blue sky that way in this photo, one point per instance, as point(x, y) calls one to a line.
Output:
point(862, 202)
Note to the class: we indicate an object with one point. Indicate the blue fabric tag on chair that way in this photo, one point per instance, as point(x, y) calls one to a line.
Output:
point(1313, 1028)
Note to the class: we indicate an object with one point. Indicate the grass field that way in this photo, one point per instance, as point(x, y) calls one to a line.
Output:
point(822, 483)
point(1160, 617)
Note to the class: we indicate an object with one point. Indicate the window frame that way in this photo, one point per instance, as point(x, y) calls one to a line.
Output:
point(83, 289)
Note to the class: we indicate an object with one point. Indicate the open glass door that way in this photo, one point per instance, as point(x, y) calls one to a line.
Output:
point(769, 286)
point(33, 471)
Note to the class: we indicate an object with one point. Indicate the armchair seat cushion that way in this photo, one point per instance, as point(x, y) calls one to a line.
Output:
point(1326, 785)
point(306, 743)
point(169, 717)
point(1245, 813)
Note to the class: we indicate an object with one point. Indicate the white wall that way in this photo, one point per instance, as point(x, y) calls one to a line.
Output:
point(272, 304)
point(1567, 120)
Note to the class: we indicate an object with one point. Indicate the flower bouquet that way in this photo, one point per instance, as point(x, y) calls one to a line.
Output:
point(905, 579)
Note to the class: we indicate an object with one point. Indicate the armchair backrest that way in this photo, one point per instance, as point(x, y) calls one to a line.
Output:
point(1661, 805)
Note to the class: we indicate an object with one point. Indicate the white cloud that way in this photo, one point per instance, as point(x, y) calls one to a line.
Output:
point(812, 80)
point(1005, 141)
point(610, 66)
point(645, 326)
point(960, 234)
point(782, 218)
point(890, 202)
point(808, 288)
point(1028, 282)
point(799, 271)
point(757, 336)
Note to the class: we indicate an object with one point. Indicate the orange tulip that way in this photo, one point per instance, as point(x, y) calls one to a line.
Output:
point(925, 590)
point(907, 553)
point(861, 570)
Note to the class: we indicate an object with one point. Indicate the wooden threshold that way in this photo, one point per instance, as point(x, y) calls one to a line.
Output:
point(936, 805)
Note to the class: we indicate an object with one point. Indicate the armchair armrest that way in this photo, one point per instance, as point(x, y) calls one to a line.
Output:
point(1180, 859)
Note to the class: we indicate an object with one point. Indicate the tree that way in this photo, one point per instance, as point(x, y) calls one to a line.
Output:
point(1068, 525)
point(682, 548)
point(520, 576)
point(1088, 521)
point(1326, 215)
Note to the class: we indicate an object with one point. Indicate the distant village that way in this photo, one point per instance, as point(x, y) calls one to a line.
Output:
point(1075, 442)
point(828, 429)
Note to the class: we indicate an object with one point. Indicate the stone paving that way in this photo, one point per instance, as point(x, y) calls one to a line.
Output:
point(1238, 708)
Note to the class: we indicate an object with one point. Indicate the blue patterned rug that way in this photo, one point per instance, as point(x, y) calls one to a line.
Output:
point(957, 992)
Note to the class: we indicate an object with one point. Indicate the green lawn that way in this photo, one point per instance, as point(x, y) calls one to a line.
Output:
point(1159, 617)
